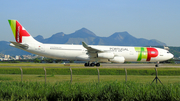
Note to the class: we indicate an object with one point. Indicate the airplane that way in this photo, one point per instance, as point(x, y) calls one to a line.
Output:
point(93, 54)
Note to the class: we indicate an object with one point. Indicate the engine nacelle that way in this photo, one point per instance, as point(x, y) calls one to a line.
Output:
point(118, 59)
point(105, 55)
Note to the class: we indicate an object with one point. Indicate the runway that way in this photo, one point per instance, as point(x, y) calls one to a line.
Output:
point(81, 65)
point(151, 65)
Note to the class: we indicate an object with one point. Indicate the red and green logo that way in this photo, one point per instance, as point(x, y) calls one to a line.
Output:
point(18, 30)
point(146, 53)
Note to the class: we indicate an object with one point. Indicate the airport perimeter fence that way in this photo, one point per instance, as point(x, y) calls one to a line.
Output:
point(71, 75)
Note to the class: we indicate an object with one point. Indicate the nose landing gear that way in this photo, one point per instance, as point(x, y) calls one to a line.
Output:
point(157, 64)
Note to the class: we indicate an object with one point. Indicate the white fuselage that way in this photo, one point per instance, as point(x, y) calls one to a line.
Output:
point(78, 52)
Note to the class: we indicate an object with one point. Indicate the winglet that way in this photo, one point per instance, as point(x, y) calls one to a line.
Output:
point(90, 49)
point(84, 45)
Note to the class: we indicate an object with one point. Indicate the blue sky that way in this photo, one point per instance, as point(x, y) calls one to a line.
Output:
point(149, 19)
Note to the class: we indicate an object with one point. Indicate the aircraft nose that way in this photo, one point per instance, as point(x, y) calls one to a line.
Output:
point(170, 56)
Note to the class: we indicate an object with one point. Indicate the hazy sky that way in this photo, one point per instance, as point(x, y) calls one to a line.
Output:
point(149, 19)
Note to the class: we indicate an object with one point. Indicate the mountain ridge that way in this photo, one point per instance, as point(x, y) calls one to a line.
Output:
point(117, 39)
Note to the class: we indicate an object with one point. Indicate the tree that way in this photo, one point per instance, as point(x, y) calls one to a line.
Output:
point(71, 61)
point(49, 60)
point(36, 60)
point(58, 61)
point(169, 61)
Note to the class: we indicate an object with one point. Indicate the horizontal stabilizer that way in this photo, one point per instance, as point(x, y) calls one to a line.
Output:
point(23, 46)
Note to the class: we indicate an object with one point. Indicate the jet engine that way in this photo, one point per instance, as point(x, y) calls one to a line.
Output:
point(117, 59)
point(105, 55)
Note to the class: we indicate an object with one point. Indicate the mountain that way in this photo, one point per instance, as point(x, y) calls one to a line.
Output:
point(125, 39)
point(82, 33)
point(39, 37)
point(74, 38)
point(116, 39)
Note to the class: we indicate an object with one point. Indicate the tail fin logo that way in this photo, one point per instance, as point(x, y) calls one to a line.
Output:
point(18, 30)
point(18, 34)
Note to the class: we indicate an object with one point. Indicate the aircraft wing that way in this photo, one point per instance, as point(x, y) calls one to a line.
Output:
point(23, 46)
point(91, 49)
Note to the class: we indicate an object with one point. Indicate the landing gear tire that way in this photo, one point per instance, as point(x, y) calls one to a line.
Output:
point(156, 65)
point(97, 64)
point(92, 64)
point(86, 64)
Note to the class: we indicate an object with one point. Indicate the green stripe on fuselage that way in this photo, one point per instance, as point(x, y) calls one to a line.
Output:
point(142, 53)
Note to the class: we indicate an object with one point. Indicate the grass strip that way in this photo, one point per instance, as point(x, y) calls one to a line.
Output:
point(90, 91)
point(91, 71)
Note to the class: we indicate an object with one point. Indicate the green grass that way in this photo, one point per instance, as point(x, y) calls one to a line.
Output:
point(5, 78)
point(85, 85)
point(88, 91)
point(89, 78)
point(91, 71)
point(38, 65)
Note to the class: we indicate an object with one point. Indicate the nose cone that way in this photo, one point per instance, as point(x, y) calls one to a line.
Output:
point(171, 55)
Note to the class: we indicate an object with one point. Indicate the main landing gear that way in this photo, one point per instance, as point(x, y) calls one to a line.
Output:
point(92, 64)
